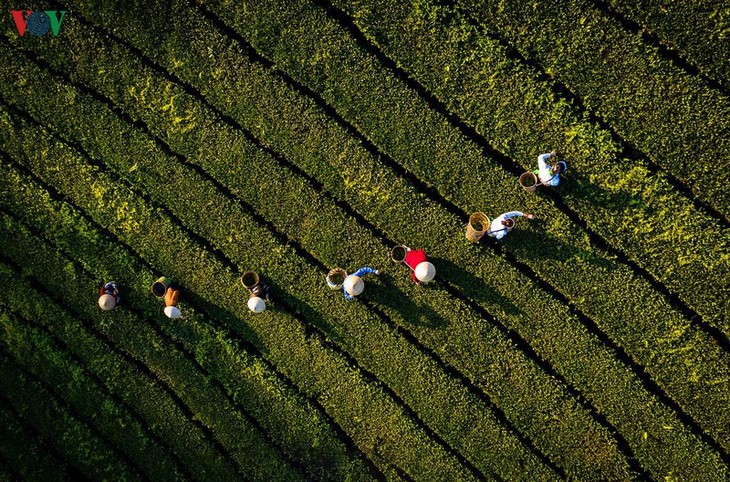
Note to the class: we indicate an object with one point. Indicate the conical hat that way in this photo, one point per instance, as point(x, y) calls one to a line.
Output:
point(172, 312)
point(256, 304)
point(353, 285)
point(107, 302)
point(425, 271)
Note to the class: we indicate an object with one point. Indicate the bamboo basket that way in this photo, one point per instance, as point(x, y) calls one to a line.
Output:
point(398, 254)
point(477, 219)
point(335, 278)
point(528, 181)
point(249, 279)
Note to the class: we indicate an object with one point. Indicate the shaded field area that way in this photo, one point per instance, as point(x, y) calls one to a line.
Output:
point(292, 137)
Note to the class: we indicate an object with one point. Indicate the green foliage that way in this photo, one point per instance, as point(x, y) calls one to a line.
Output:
point(27, 454)
point(49, 417)
point(324, 232)
point(314, 370)
point(45, 358)
point(650, 102)
point(319, 370)
point(168, 369)
point(674, 240)
point(689, 28)
point(142, 391)
point(247, 379)
point(389, 100)
point(637, 212)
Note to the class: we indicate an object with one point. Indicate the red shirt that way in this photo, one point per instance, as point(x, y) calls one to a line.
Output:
point(413, 258)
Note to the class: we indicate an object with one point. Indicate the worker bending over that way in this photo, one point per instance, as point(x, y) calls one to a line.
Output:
point(422, 271)
point(550, 175)
point(109, 296)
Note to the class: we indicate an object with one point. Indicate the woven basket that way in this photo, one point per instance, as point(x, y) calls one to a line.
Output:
point(528, 181)
point(335, 278)
point(398, 254)
point(159, 287)
point(249, 279)
point(477, 219)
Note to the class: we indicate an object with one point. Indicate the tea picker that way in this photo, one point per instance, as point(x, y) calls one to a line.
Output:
point(547, 175)
point(422, 271)
point(352, 285)
point(162, 288)
point(109, 296)
point(258, 291)
point(550, 175)
point(504, 223)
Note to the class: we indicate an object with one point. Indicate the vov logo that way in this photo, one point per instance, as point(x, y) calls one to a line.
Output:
point(38, 23)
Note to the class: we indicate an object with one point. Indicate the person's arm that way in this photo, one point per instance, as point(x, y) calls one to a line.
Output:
point(363, 271)
point(347, 295)
point(542, 160)
point(529, 215)
point(513, 214)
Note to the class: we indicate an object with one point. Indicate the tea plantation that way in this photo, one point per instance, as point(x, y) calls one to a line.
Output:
point(200, 139)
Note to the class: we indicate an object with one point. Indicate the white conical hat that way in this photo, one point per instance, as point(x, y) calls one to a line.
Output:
point(256, 304)
point(172, 312)
point(425, 271)
point(107, 302)
point(353, 285)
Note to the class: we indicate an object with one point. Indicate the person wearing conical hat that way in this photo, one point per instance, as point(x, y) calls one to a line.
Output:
point(354, 285)
point(504, 223)
point(422, 271)
point(259, 293)
point(550, 175)
point(109, 296)
point(171, 299)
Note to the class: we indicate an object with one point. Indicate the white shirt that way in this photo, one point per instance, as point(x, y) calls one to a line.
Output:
point(497, 229)
point(544, 171)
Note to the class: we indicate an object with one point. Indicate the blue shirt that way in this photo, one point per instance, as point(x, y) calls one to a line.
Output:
point(359, 273)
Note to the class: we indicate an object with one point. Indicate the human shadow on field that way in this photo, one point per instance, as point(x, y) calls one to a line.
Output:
point(312, 318)
point(281, 302)
point(536, 244)
point(329, 454)
point(388, 295)
point(472, 286)
point(222, 315)
point(579, 186)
